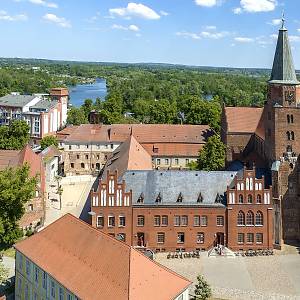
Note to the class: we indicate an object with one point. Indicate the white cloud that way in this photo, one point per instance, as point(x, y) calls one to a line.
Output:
point(4, 16)
point(135, 10)
point(275, 22)
point(188, 35)
point(274, 36)
point(130, 27)
point(294, 38)
point(44, 3)
point(214, 35)
point(255, 6)
point(298, 29)
point(164, 13)
point(210, 27)
point(210, 33)
point(62, 22)
point(206, 3)
point(244, 39)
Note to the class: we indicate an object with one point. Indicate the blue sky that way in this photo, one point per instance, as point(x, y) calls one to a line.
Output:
point(236, 33)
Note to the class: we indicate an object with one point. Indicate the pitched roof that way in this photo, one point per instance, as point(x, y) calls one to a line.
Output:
point(130, 155)
point(144, 133)
point(243, 119)
point(50, 152)
point(16, 100)
point(110, 268)
point(283, 67)
point(169, 184)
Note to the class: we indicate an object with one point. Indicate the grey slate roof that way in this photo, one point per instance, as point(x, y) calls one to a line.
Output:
point(44, 104)
point(283, 67)
point(16, 100)
point(169, 184)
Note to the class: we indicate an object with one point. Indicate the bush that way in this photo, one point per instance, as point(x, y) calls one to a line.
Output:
point(202, 289)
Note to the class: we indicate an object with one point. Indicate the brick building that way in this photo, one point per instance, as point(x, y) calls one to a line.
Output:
point(88, 147)
point(269, 137)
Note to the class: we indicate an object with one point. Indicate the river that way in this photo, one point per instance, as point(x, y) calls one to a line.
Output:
point(92, 91)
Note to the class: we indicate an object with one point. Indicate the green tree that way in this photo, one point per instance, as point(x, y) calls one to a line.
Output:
point(202, 289)
point(76, 116)
point(3, 274)
point(16, 189)
point(212, 156)
point(15, 136)
point(163, 112)
point(48, 141)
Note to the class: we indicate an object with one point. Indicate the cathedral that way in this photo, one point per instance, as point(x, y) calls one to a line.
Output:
point(268, 138)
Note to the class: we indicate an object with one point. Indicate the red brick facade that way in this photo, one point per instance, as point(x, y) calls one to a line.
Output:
point(169, 228)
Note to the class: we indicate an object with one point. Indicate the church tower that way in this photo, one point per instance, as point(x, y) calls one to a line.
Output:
point(282, 140)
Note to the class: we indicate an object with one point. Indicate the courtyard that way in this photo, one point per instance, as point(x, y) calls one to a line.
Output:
point(260, 278)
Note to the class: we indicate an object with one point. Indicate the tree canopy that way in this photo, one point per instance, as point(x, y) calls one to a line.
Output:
point(48, 141)
point(16, 189)
point(202, 289)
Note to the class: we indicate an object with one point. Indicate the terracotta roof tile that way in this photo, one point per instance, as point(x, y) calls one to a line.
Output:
point(243, 119)
point(71, 250)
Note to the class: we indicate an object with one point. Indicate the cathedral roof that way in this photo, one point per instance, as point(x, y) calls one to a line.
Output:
point(283, 71)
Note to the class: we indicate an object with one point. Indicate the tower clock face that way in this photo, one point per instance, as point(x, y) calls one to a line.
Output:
point(290, 96)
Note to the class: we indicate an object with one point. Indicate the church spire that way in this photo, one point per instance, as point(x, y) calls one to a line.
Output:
point(283, 71)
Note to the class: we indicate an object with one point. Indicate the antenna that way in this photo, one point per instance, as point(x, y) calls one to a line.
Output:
point(283, 19)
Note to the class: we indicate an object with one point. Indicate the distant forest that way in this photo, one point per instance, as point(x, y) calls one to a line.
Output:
point(151, 93)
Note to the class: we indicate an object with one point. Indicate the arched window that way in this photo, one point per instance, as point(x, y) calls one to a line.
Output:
point(288, 135)
point(292, 136)
point(258, 199)
point(241, 218)
point(292, 119)
point(288, 119)
point(241, 199)
point(259, 219)
point(250, 218)
point(82, 165)
point(250, 199)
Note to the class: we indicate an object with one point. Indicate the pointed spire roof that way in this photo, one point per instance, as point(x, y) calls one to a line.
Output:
point(283, 71)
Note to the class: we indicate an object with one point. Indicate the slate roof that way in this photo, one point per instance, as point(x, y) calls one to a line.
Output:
point(16, 100)
point(95, 266)
point(283, 67)
point(44, 104)
point(169, 184)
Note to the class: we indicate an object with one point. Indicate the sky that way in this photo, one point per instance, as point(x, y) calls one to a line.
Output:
point(223, 33)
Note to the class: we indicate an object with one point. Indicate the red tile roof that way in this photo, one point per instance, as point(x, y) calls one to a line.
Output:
point(243, 119)
point(93, 265)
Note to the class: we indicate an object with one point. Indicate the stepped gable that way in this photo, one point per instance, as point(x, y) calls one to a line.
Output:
point(110, 268)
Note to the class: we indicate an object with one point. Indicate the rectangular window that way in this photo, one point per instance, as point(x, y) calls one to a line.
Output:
point(176, 161)
point(158, 161)
point(70, 297)
point(112, 146)
point(77, 156)
point(200, 238)
point(166, 161)
point(61, 293)
point(87, 146)
point(156, 220)
point(111, 221)
point(122, 221)
point(27, 267)
point(52, 289)
point(184, 220)
point(45, 280)
point(72, 165)
point(20, 261)
point(259, 238)
point(176, 220)
point(187, 161)
point(100, 221)
point(241, 238)
point(160, 237)
point(140, 221)
point(203, 220)
point(36, 275)
point(250, 238)
point(164, 221)
point(196, 221)
point(180, 237)
point(220, 221)
point(70, 147)
point(86, 157)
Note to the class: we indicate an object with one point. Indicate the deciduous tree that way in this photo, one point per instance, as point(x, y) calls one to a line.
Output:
point(48, 141)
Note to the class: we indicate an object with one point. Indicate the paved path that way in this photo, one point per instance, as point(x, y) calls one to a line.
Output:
point(244, 278)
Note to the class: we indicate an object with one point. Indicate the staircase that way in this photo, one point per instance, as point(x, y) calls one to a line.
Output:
point(224, 252)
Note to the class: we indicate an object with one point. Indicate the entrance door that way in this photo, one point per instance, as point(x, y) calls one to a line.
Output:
point(141, 239)
point(220, 238)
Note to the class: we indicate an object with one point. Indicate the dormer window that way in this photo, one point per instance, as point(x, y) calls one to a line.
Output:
point(200, 198)
point(141, 198)
point(218, 199)
point(180, 198)
point(158, 198)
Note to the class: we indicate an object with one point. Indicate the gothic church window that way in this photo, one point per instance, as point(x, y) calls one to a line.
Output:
point(259, 218)
point(250, 218)
point(241, 218)
point(241, 199)
point(250, 200)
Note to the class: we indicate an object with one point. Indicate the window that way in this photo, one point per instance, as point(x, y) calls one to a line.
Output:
point(36, 275)
point(122, 221)
point(184, 220)
point(164, 221)
point(82, 165)
point(250, 199)
point(61, 293)
point(140, 221)
point(196, 221)
point(27, 267)
point(52, 289)
point(121, 237)
point(288, 119)
point(187, 161)
point(26, 292)
point(176, 161)
point(70, 147)
point(292, 119)
point(20, 261)
point(45, 280)
point(111, 146)
point(250, 218)
point(176, 220)
point(203, 220)
point(78, 156)
point(158, 161)
point(220, 221)
point(72, 165)
point(241, 198)
point(259, 238)
point(156, 220)
point(78, 146)
point(292, 136)
point(180, 237)
point(259, 219)
point(158, 198)
point(100, 221)
point(87, 146)
point(70, 297)
point(241, 219)
point(30, 207)
point(166, 161)
point(111, 221)
point(180, 198)
point(86, 156)
point(250, 238)
point(200, 238)
point(241, 238)
point(258, 199)
point(160, 237)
